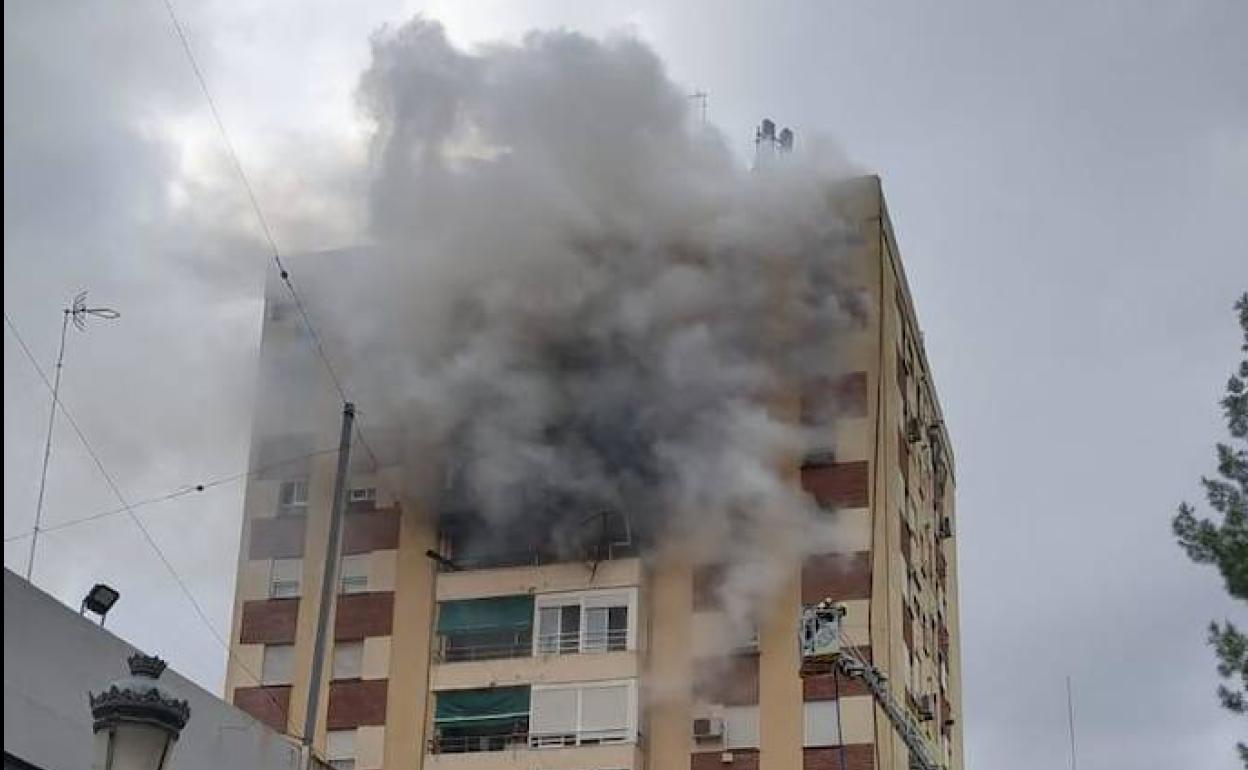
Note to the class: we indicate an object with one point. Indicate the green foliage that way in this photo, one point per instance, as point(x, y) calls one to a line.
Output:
point(1224, 543)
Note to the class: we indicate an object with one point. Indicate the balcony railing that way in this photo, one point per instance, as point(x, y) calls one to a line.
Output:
point(609, 640)
point(532, 558)
point(583, 738)
point(466, 744)
point(455, 650)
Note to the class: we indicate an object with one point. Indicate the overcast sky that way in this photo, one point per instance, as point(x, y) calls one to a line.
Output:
point(1068, 184)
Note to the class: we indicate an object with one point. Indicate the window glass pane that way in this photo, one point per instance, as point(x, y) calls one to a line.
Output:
point(617, 628)
point(348, 660)
point(570, 628)
point(548, 629)
point(604, 713)
point(278, 665)
point(294, 493)
point(595, 630)
point(554, 712)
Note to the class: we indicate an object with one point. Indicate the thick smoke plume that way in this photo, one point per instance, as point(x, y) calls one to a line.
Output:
point(591, 316)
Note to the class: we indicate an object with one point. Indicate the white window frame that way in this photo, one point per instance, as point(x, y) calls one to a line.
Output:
point(298, 502)
point(362, 495)
point(585, 600)
point(266, 677)
point(274, 581)
point(629, 731)
point(354, 584)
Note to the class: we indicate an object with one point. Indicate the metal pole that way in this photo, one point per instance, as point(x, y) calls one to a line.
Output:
point(47, 448)
point(329, 582)
point(1070, 716)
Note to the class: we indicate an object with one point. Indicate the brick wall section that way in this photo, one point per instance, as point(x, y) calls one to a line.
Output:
point(857, 756)
point(827, 686)
point(362, 615)
point(270, 705)
point(836, 576)
point(742, 759)
point(356, 702)
point(839, 485)
point(731, 681)
point(277, 537)
point(269, 621)
point(370, 531)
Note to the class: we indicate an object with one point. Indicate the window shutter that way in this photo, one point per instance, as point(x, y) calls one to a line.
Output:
point(604, 713)
point(554, 712)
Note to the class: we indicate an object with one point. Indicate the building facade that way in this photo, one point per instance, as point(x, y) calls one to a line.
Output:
point(514, 661)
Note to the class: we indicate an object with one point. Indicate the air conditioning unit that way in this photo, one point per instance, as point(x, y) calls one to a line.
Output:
point(708, 728)
point(926, 706)
point(946, 527)
point(914, 433)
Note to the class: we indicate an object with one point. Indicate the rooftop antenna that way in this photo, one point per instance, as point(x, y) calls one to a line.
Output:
point(768, 143)
point(77, 313)
point(701, 97)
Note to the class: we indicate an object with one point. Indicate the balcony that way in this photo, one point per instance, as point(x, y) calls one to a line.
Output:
point(571, 642)
point(580, 635)
point(544, 727)
point(483, 741)
point(463, 648)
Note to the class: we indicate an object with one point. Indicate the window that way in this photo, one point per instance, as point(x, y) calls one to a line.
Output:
point(572, 715)
point(588, 622)
point(741, 727)
point(485, 629)
point(353, 574)
point(278, 666)
point(821, 724)
point(491, 719)
point(293, 496)
point(340, 749)
point(363, 495)
point(285, 578)
point(348, 660)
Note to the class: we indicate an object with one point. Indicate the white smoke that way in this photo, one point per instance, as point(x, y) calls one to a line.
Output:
point(584, 309)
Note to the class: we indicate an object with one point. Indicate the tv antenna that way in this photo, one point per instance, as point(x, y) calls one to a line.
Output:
point(78, 312)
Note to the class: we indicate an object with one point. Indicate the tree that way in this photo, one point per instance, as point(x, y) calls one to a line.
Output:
point(1225, 544)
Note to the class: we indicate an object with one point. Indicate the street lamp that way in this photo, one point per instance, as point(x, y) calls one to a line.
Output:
point(137, 722)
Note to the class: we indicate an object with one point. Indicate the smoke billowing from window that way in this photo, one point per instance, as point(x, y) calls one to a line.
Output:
point(588, 321)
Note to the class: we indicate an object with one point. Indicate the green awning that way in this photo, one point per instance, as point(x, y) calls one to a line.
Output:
point(466, 706)
point(483, 614)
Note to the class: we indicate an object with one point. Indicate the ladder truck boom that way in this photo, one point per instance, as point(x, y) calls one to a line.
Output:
point(822, 648)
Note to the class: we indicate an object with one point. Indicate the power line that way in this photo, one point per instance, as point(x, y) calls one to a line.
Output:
point(99, 465)
point(182, 491)
point(314, 336)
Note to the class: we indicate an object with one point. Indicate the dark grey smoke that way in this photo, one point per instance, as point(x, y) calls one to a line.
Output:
point(593, 316)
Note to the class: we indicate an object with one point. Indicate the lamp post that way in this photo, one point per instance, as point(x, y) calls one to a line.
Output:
point(136, 721)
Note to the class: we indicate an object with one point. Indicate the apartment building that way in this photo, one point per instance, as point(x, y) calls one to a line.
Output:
point(508, 657)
